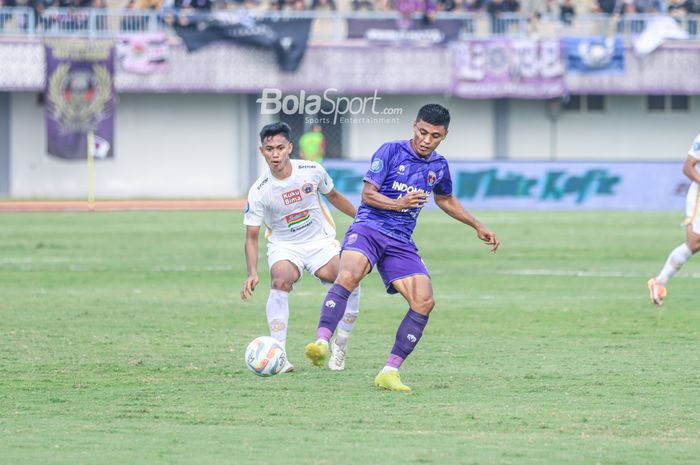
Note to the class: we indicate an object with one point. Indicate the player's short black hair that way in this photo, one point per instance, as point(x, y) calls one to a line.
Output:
point(272, 129)
point(434, 114)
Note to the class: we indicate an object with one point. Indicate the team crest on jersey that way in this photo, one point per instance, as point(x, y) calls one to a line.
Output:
point(432, 177)
point(351, 238)
point(295, 219)
point(377, 166)
point(307, 188)
point(402, 170)
point(291, 197)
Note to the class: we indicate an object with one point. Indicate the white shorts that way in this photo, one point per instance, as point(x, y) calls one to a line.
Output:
point(312, 256)
point(692, 210)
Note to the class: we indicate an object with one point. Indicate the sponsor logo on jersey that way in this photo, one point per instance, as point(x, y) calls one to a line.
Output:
point(291, 197)
point(262, 183)
point(432, 177)
point(377, 166)
point(295, 219)
point(306, 166)
point(403, 187)
point(307, 188)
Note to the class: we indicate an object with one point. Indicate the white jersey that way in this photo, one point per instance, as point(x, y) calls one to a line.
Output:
point(291, 209)
point(692, 202)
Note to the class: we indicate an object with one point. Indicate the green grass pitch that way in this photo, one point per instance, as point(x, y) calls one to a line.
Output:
point(122, 339)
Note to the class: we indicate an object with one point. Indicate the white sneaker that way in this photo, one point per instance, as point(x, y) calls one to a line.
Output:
point(337, 360)
point(288, 367)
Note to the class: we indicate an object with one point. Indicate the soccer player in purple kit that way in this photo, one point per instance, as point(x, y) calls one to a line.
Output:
point(400, 179)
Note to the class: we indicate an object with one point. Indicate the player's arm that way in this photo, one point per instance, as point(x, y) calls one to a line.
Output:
point(341, 202)
point(372, 197)
point(453, 207)
point(251, 260)
point(689, 169)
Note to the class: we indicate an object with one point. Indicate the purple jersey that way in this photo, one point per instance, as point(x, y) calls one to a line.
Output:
point(397, 170)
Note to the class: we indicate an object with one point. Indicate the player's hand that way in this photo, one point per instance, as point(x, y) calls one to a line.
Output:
point(489, 238)
point(248, 287)
point(414, 199)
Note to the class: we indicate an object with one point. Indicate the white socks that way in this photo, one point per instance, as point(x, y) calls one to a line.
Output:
point(349, 317)
point(278, 314)
point(675, 261)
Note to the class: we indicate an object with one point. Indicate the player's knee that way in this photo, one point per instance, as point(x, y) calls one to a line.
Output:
point(281, 284)
point(347, 279)
point(694, 245)
point(424, 306)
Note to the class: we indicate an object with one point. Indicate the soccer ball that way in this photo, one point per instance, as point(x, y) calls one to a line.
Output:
point(265, 356)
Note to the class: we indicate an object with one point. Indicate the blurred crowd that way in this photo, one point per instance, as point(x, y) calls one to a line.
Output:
point(536, 11)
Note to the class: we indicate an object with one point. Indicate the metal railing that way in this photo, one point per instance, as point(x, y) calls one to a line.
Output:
point(327, 25)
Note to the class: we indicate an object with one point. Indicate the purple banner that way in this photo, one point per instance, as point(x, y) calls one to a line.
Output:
point(402, 31)
point(79, 98)
point(521, 68)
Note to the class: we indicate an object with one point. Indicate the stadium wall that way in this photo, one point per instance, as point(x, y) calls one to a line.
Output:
point(166, 146)
point(205, 145)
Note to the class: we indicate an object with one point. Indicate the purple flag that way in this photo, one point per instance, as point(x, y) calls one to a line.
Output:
point(79, 98)
point(521, 68)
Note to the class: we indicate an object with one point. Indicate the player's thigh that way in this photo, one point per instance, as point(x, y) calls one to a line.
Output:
point(417, 289)
point(693, 237)
point(323, 261)
point(354, 266)
point(286, 266)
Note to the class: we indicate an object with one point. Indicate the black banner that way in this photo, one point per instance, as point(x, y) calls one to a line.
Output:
point(414, 32)
point(288, 37)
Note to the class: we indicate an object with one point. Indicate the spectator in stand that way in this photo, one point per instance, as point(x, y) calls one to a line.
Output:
point(678, 9)
point(323, 5)
point(408, 8)
point(608, 7)
point(187, 8)
point(358, 5)
point(296, 5)
point(448, 5)
point(693, 8)
point(648, 7)
point(472, 6)
point(567, 12)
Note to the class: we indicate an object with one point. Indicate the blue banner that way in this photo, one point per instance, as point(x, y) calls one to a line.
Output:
point(548, 185)
point(595, 55)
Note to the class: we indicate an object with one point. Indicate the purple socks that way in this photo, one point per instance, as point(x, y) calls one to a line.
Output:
point(332, 311)
point(409, 333)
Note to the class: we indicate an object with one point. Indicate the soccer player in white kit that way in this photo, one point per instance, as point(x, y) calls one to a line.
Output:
point(681, 254)
point(300, 234)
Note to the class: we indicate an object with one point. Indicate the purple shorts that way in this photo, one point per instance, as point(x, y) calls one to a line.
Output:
point(394, 259)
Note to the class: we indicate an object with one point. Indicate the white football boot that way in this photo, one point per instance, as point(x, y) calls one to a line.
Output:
point(336, 362)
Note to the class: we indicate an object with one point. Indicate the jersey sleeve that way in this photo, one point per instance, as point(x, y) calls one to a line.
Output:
point(254, 210)
point(444, 184)
point(379, 168)
point(695, 148)
point(325, 184)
